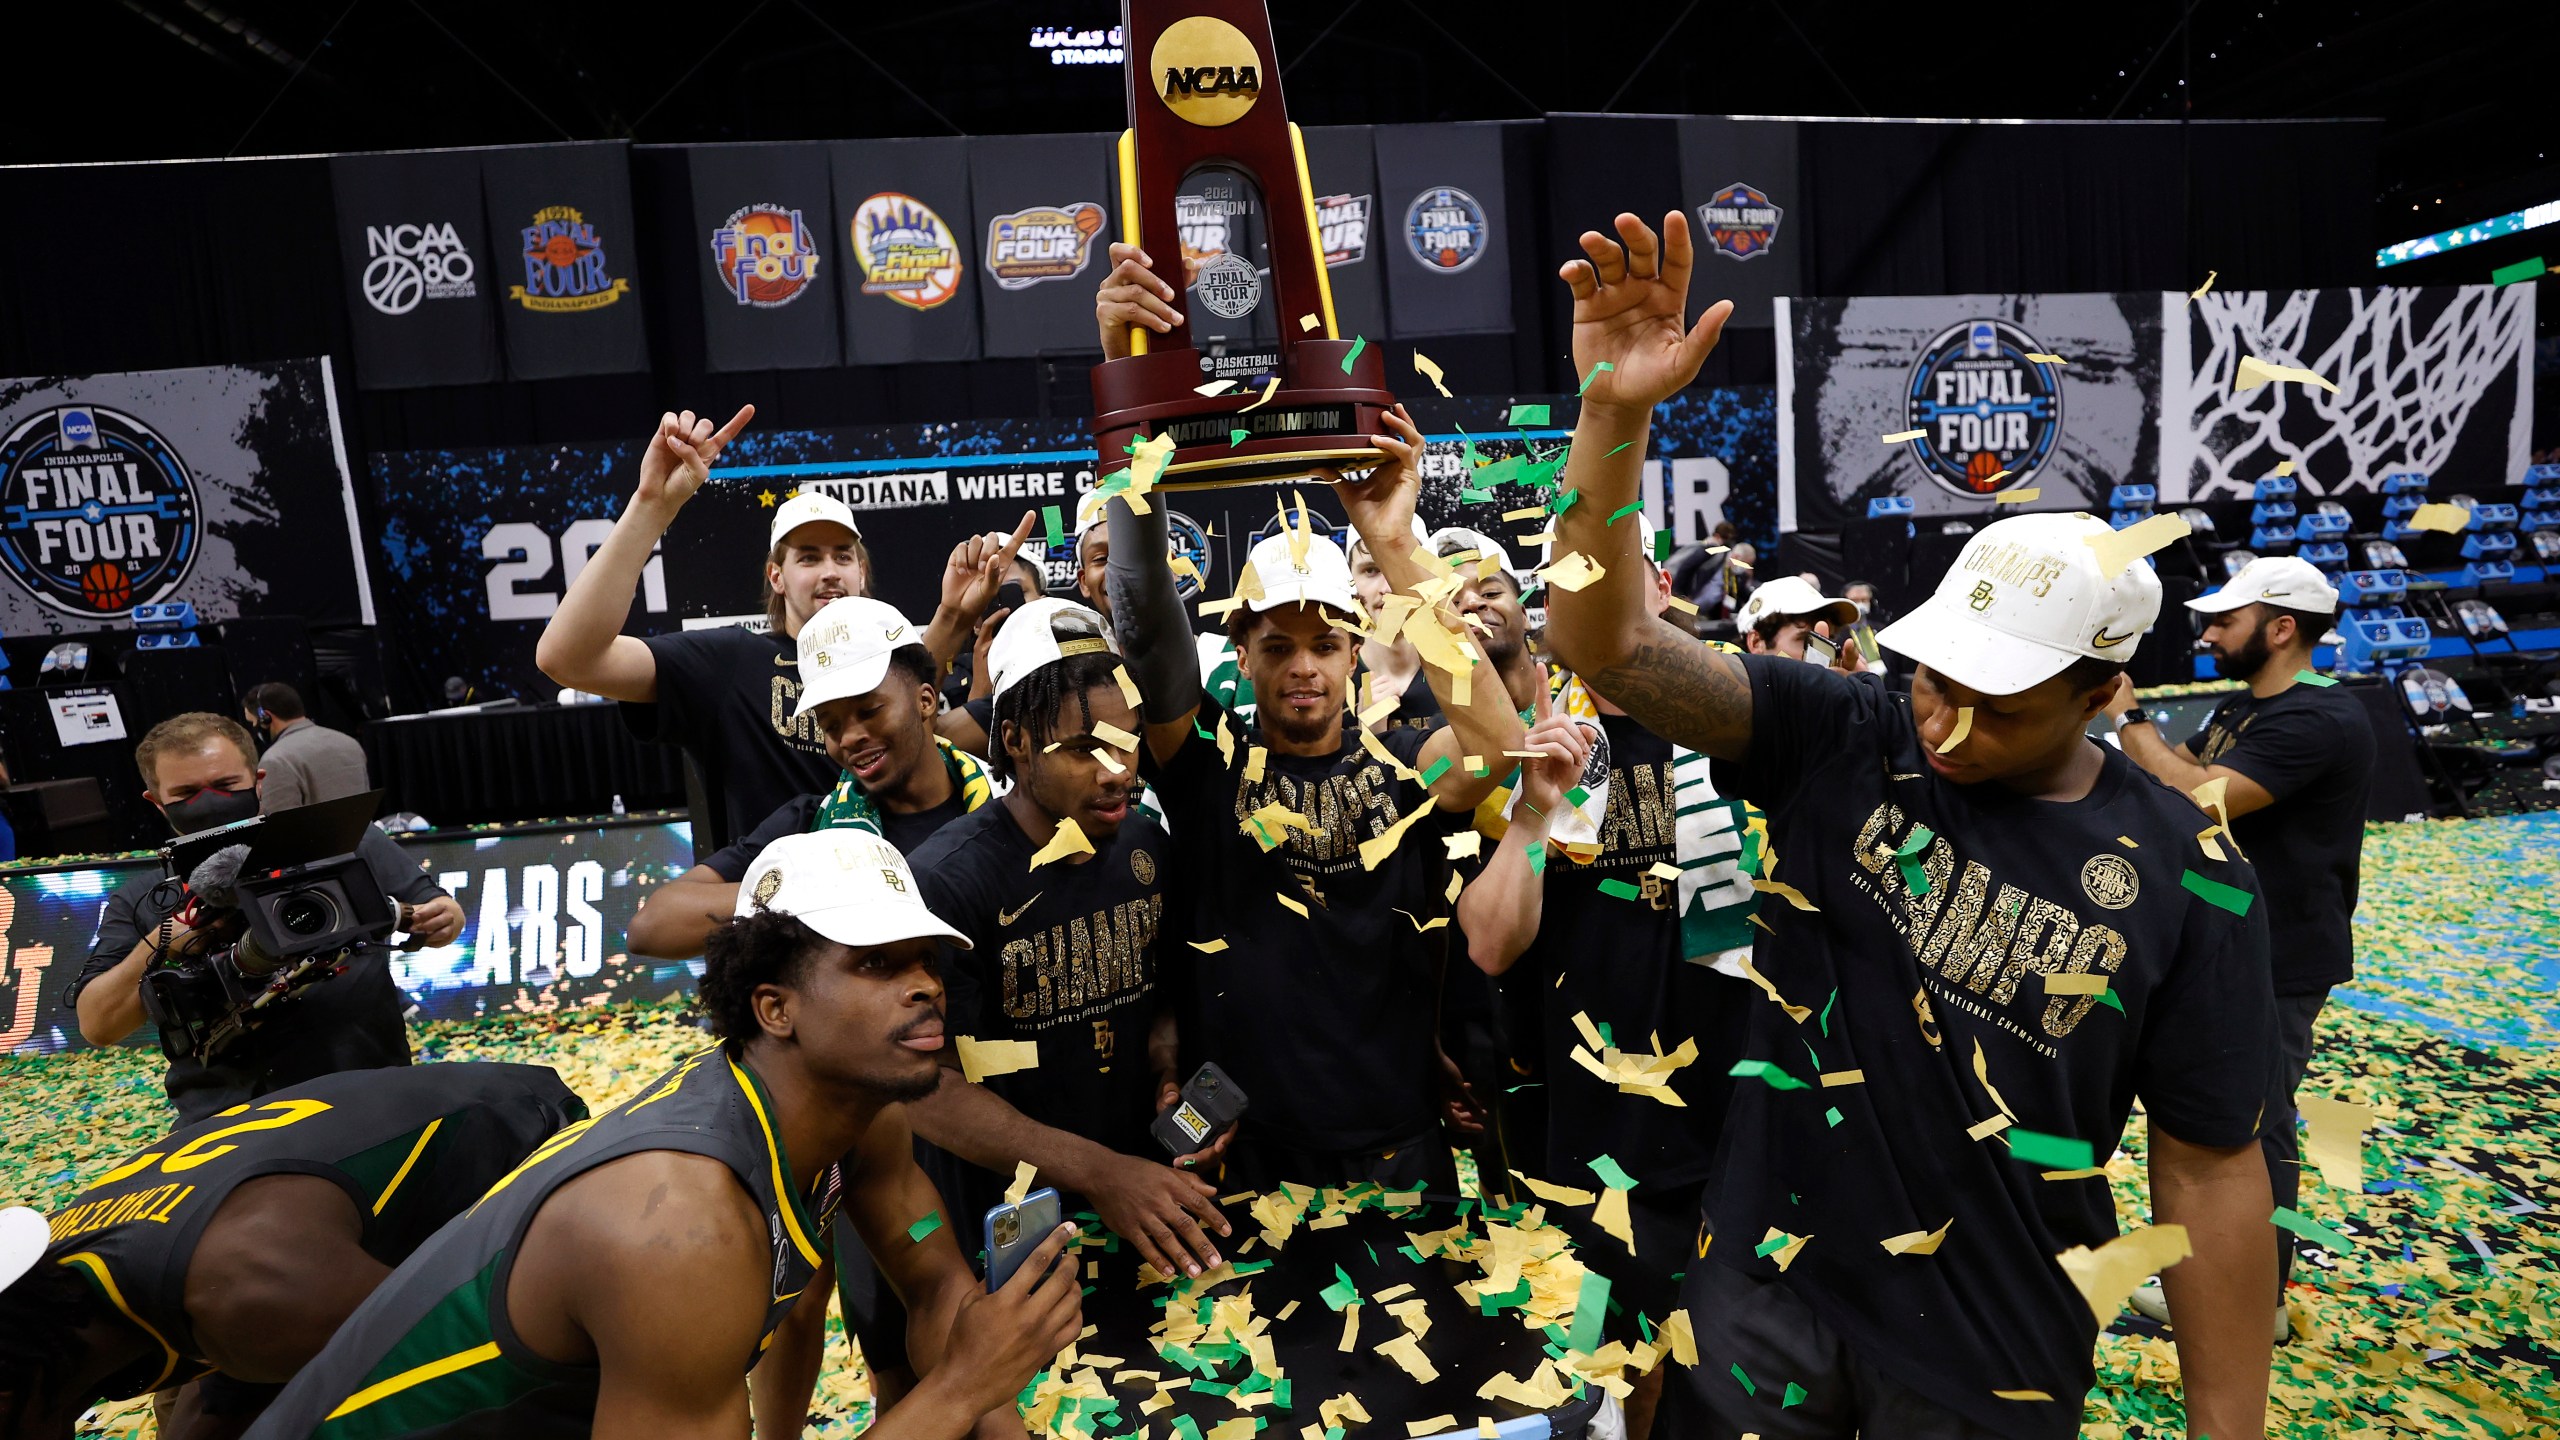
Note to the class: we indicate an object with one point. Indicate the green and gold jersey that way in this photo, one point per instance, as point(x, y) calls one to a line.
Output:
point(432, 1353)
point(412, 1146)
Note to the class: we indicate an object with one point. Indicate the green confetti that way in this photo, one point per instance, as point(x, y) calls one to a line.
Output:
point(1358, 344)
point(1517, 1295)
point(1563, 502)
point(1762, 1070)
point(1575, 796)
point(1603, 368)
point(2053, 1152)
point(1621, 890)
point(2107, 997)
point(1826, 1012)
point(1236, 437)
point(1661, 546)
point(1590, 1312)
point(1432, 773)
point(2310, 1229)
point(2312, 677)
point(1747, 1387)
point(1623, 511)
point(1773, 1245)
point(1795, 1396)
point(1623, 444)
point(2521, 270)
point(1612, 1174)
point(1834, 1116)
point(2214, 892)
point(1342, 1291)
point(1537, 857)
point(931, 1222)
point(1528, 414)
point(1057, 525)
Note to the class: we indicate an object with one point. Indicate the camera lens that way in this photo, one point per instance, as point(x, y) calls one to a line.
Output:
point(306, 912)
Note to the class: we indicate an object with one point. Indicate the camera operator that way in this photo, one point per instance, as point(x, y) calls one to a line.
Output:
point(197, 769)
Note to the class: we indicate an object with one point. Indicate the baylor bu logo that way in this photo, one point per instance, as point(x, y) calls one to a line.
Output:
point(1206, 70)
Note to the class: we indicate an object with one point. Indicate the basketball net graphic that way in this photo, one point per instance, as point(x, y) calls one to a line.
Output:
point(2411, 366)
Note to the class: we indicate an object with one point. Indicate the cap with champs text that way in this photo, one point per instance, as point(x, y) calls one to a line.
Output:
point(2288, 582)
point(847, 883)
point(845, 649)
point(1299, 569)
point(1788, 597)
point(1043, 633)
point(2024, 600)
point(809, 507)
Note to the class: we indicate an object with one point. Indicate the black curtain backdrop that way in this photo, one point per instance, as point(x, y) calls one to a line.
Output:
point(785, 320)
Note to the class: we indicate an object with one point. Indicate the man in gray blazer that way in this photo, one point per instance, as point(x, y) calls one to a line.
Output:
point(305, 763)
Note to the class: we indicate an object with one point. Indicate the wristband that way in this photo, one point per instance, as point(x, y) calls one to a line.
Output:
point(2134, 716)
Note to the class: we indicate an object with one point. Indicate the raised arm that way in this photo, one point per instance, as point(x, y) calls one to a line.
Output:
point(975, 1351)
point(1502, 908)
point(970, 579)
point(1380, 505)
point(1154, 634)
point(677, 919)
point(583, 647)
point(1628, 299)
point(2219, 1293)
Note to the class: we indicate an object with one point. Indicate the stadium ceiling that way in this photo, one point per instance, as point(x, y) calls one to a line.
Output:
point(160, 79)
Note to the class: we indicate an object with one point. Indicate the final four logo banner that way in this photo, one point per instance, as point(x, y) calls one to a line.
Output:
point(565, 266)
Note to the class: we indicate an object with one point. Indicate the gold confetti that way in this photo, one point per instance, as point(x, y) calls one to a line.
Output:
point(2020, 1395)
point(1573, 572)
point(1378, 848)
point(2017, 497)
point(2075, 984)
point(1917, 1242)
point(1465, 845)
point(2198, 293)
point(2036, 359)
point(1556, 1194)
point(1429, 369)
point(1898, 436)
point(1210, 947)
point(1267, 392)
point(1214, 387)
point(1350, 1327)
point(1307, 323)
point(1784, 1255)
point(1069, 840)
point(2107, 1274)
point(2336, 1145)
point(2254, 372)
point(2448, 519)
point(1292, 904)
point(982, 1058)
point(1023, 1170)
point(1985, 1129)
point(1844, 1077)
point(1786, 892)
point(1964, 727)
point(1254, 759)
point(1128, 687)
point(2283, 468)
point(2120, 548)
point(1113, 736)
point(1751, 972)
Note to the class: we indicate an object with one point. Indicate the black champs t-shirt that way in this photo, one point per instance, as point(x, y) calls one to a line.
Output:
point(1932, 993)
point(1323, 1018)
point(1618, 961)
point(726, 696)
point(2311, 747)
point(1064, 956)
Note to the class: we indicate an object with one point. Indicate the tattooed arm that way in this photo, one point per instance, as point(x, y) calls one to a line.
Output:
point(1627, 308)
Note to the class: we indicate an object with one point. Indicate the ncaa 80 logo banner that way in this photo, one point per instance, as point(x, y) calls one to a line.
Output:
point(222, 487)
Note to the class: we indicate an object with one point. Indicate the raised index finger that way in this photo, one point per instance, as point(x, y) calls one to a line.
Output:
point(736, 423)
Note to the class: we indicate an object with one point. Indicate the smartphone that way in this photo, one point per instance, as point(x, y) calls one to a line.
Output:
point(1014, 1231)
point(1818, 650)
point(1209, 1104)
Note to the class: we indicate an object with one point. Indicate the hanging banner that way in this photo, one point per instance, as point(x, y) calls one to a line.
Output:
point(1737, 183)
point(564, 255)
point(1046, 216)
point(2436, 379)
point(762, 226)
point(223, 487)
point(1343, 168)
point(546, 917)
point(420, 286)
point(1447, 225)
point(1958, 370)
point(906, 231)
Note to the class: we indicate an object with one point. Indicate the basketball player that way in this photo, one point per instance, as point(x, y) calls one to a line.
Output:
point(623, 1278)
point(233, 1249)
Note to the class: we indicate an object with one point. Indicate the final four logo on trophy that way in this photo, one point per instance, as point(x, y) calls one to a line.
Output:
point(1204, 95)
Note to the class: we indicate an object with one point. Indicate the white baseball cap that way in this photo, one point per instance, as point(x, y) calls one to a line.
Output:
point(847, 884)
point(2288, 581)
point(809, 507)
point(1357, 549)
point(1451, 541)
point(1318, 574)
point(1043, 633)
point(845, 648)
point(24, 1234)
point(1787, 597)
point(2024, 600)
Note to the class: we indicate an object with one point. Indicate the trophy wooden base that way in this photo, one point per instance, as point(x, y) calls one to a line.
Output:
point(1321, 417)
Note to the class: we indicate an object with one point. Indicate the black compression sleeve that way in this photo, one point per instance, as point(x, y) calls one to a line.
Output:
point(1155, 637)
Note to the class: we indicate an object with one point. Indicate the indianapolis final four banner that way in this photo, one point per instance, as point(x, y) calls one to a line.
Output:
point(225, 487)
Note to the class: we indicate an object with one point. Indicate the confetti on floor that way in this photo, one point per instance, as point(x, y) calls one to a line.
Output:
point(2446, 1319)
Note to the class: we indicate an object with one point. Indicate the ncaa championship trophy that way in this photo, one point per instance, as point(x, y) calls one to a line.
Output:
point(1204, 93)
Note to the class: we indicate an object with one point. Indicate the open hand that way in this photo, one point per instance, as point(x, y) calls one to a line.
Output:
point(1380, 502)
point(678, 458)
point(1164, 1213)
point(1628, 299)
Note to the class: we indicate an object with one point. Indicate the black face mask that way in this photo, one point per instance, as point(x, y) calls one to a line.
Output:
point(207, 808)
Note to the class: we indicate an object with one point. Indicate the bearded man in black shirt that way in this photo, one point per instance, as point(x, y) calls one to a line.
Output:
point(2007, 934)
point(2295, 757)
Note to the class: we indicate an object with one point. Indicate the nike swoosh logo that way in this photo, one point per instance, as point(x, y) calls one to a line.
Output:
point(2104, 641)
point(786, 660)
point(1007, 917)
point(894, 634)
